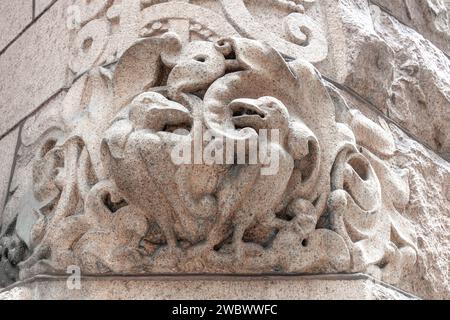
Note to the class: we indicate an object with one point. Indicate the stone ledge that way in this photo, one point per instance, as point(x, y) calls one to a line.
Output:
point(201, 287)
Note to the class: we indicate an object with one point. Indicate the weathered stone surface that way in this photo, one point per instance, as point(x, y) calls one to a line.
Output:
point(429, 210)
point(8, 150)
point(35, 67)
point(419, 93)
point(352, 287)
point(361, 59)
point(391, 65)
point(16, 15)
point(428, 17)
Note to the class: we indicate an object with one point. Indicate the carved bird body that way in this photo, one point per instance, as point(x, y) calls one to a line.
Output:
point(263, 192)
point(138, 152)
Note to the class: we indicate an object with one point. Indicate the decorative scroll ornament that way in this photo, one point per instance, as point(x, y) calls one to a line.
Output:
point(304, 36)
point(104, 29)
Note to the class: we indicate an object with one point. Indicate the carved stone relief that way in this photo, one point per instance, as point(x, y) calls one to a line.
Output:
point(108, 197)
point(104, 29)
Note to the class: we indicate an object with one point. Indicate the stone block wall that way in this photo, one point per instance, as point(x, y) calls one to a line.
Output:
point(388, 59)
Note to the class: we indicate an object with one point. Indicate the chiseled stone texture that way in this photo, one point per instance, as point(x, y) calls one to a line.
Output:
point(429, 17)
point(429, 209)
point(340, 287)
point(394, 67)
point(34, 67)
point(361, 59)
point(15, 16)
point(419, 94)
point(8, 149)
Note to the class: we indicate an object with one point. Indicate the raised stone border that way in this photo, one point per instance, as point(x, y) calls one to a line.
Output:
point(294, 287)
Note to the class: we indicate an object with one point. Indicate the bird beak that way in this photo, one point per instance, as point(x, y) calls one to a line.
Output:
point(247, 113)
point(155, 112)
point(168, 118)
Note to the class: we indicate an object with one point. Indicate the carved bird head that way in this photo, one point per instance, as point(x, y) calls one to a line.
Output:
point(154, 112)
point(198, 65)
point(262, 113)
